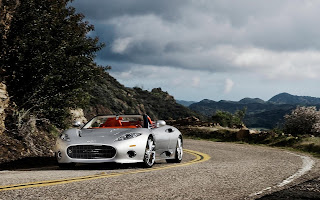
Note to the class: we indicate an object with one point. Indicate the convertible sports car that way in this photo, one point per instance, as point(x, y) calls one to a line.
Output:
point(120, 139)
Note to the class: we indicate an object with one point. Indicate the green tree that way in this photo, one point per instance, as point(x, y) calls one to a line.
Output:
point(48, 58)
point(228, 119)
point(224, 118)
point(241, 113)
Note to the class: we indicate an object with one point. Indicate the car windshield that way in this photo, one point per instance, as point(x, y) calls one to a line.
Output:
point(113, 121)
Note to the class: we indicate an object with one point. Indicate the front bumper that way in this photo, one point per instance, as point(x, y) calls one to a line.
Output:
point(135, 146)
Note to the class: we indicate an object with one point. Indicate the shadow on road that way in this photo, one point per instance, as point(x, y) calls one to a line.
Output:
point(50, 163)
point(30, 162)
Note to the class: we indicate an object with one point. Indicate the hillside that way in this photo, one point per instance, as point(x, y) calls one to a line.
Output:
point(262, 114)
point(108, 96)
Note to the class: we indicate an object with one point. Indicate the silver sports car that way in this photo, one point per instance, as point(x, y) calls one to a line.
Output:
point(120, 139)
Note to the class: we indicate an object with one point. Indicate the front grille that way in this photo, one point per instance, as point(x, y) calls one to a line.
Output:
point(91, 151)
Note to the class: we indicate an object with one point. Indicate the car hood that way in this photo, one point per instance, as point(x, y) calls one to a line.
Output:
point(105, 133)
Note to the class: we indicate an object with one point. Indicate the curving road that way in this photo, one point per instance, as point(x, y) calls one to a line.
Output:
point(234, 171)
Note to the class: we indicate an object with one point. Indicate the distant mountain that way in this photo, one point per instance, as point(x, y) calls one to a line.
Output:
point(251, 100)
point(263, 114)
point(285, 98)
point(185, 103)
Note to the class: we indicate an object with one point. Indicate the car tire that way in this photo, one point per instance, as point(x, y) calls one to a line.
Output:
point(150, 153)
point(178, 152)
point(66, 165)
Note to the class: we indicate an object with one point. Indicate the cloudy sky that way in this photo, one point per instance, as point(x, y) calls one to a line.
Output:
point(214, 49)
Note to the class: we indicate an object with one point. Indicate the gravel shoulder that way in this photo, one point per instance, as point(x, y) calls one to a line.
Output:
point(309, 189)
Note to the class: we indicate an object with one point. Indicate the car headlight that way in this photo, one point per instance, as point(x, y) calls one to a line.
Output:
point(65, 137)
point(128, 136)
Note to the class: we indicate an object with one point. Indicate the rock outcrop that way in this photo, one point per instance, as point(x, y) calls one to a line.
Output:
point(4, 103)
point(7, 9)
point(78, 115)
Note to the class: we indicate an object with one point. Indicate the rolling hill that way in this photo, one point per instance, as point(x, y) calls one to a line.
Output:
point(262, 114)
point(286, 98)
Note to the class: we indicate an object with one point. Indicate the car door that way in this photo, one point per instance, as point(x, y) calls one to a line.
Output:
point(173, 134)
point(162, 138)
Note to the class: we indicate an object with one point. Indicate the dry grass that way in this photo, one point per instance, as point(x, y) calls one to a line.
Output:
point(216, 128)
point(309, 144)
point(311, 140)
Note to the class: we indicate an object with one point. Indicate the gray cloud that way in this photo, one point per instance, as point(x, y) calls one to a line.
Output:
point(272, 38)
point(106, 9)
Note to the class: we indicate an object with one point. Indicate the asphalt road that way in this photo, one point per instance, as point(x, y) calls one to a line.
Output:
point(234, 171)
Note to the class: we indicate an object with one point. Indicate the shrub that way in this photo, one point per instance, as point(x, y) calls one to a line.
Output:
point(303, 120)
point(228, 119)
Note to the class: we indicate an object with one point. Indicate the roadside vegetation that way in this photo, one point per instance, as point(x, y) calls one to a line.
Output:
point(46, 63)
point(300, 132)
point(47, 59)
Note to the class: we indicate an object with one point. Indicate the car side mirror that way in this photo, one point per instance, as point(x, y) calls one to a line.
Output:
point(161, 123)
point(170, 130)
point(77, 124)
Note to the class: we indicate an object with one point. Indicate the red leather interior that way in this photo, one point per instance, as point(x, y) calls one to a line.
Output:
point(117, 123)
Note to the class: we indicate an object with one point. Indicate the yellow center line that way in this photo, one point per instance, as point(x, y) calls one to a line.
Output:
point(200, 157)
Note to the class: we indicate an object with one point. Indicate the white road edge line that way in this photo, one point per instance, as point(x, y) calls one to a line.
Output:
point(307, 164)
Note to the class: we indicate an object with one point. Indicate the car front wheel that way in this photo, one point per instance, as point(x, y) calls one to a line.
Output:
point(150, 153)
